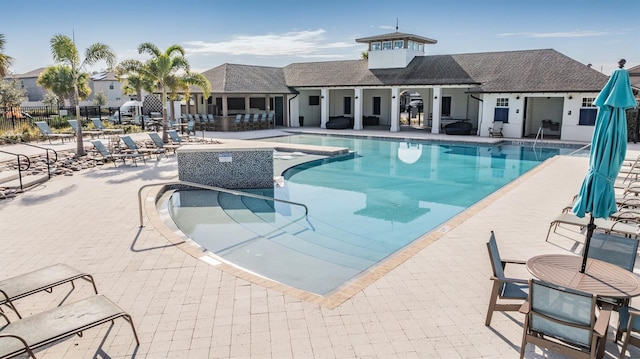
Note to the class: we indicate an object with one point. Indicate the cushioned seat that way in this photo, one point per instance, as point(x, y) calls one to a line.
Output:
point(458, 128)
point(338, 123)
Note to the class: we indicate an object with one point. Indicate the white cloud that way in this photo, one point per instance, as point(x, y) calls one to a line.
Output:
point(565, 34)
point(295, 43)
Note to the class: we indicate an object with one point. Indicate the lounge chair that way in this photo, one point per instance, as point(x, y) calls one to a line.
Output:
point(14, 288)
point(74, 126)
point(496, 129)
point(108, 156)
point(175, 137)
point(157, 141)
point(237, 123)
point(607, 225)
point(27, 334)
point(503, 287)
point(563, 320)
point(97, 123)
point(46, 132)
point(133, 148)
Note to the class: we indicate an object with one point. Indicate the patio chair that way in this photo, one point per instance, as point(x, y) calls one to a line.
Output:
point(97, 123)
point(108, 156)
point(503, 287)
point(157, 141)
point(43, 329)
point(44, 279)
point(496, 129)
point(47, 133)
point(621, 251)
point(270, 120)
point(132, 147)
point(563, 320)
point(632, 325)
point(74, 126)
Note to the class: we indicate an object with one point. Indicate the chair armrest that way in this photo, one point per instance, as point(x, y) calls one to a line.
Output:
point(524, 308)
point(602, 323)
point(510, 280)
point(514, 261)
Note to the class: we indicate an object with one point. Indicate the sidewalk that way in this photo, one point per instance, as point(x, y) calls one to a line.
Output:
point(432, 305)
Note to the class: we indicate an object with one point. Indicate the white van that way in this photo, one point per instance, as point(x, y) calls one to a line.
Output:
point(129, 108)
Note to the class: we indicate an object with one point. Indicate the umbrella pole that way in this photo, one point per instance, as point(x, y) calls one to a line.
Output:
point(590, 228)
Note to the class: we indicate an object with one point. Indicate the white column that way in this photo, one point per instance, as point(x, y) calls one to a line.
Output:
point(357, 111)
point(395, 109)
point(324, 107)
point(225, 105)
point(437, 97)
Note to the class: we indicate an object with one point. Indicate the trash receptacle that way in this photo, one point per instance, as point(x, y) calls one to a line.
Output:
point(301, 120)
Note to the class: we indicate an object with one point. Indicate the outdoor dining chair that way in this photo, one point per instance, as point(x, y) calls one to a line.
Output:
point(631, 326)
point(503, 287)
point(563, 320)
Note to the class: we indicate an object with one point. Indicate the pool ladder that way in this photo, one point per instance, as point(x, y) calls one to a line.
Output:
point(540, 135)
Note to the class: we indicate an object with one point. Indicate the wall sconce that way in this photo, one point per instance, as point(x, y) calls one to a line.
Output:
point(518, 97)
point(393, 97)
point(435, 97)
point(517, 110)
point(570, 97)
point(569, 112)
point(356, 97)
point(321, 96)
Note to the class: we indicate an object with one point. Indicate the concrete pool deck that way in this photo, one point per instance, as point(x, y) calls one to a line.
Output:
point(429, 301)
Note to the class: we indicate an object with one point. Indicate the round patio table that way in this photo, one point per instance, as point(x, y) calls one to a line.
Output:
point(600, 278)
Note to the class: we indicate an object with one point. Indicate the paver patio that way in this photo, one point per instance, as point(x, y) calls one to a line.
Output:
point(432, 305)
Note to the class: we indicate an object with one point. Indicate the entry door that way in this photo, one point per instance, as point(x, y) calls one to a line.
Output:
point(278, 110)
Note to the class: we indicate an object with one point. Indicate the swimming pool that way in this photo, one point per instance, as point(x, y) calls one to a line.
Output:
point(362, 207)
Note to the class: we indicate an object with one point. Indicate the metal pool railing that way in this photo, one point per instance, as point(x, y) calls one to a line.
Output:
point(213, 188)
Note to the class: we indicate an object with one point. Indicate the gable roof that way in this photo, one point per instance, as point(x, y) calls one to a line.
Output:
point(30, 74)
point(510, 71)
point(233, 78)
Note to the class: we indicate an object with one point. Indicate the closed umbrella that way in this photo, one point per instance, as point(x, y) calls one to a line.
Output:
point(608, 148)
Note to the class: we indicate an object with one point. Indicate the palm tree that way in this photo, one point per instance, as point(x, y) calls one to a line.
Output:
point(64, 51)
point(59, 80)
point(5, 60)
point(164, 70)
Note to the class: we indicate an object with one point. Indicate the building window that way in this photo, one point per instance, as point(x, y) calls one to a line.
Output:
point(375, 46)
point(502, 102)
point(410, 45)
point(501, 112)
point(386, 45)
point(445, 106)
point(398, 44)
point(258, 102)
point(111, 86)
point(376, 106)
point(347, 105)
point(588, 102)
point(314, 100)
point(588, 112)
point(421, 47)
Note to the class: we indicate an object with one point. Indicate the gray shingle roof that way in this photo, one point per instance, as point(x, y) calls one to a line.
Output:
point(510, 71)
point(233, 78)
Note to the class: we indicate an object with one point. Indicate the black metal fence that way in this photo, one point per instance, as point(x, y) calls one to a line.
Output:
point(13, 118)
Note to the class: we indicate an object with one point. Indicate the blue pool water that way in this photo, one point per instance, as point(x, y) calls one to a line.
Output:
point(361, 207)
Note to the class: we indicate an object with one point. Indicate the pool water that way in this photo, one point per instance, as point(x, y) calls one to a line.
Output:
point(362, 207)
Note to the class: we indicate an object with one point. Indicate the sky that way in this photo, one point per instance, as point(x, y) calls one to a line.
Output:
point(281, 32)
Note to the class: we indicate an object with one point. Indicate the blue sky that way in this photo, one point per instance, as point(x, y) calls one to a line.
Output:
point(280, 32)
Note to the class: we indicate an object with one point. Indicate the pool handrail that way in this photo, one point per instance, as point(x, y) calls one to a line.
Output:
point(213, 188)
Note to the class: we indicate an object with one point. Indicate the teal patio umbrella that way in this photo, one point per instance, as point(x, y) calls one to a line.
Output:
point(608, 149)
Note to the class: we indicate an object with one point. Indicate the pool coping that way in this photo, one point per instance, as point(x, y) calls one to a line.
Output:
point(348, 289)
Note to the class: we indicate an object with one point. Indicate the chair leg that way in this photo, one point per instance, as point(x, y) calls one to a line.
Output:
point(492, 302)
point(549, 231)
